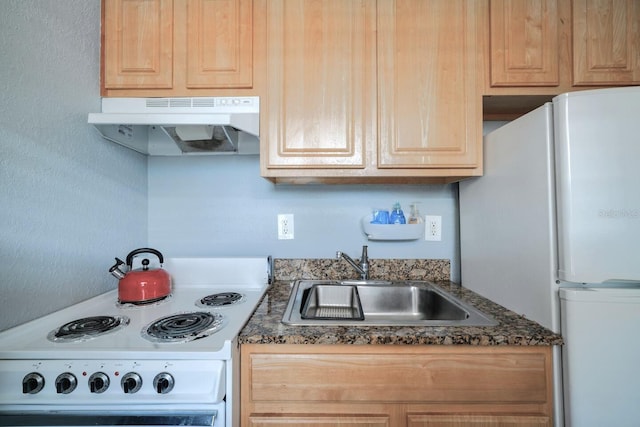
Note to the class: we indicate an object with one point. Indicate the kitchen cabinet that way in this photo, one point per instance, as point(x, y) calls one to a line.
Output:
point(524, 43)
point(537, 49)
point(177, 47)
point(563, 44)
point(606, 42)
point(384, 385)
point(320, 94)
point(366, 91)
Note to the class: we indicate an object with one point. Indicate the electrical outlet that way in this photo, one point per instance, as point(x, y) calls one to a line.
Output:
point(285, 226)
point(433, 228)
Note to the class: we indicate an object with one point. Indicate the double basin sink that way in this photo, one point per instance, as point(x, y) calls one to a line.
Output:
point(378, 303)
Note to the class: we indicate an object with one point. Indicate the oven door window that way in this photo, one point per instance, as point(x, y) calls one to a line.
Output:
point(112, 418)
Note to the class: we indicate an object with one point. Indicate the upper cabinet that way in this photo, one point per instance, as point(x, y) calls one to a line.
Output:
point(376, 91)
point(428, 96)
point(606, 42)
point(536, 49)
point(319, 110)
point(562, 44)
point(176, 47)
point(524, 43)
point(138, 44)
point(219, 44)
point(372, 91)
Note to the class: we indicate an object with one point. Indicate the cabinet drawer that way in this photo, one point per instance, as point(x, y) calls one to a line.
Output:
point(319, 421)
point(464, 376)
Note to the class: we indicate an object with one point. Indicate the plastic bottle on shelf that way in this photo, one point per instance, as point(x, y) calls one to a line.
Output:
point(414, 215)
point(397, 216)
point(380, 216)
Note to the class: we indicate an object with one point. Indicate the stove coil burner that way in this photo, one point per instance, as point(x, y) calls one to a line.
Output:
point(87, 328)
point(221, 299)
point(183, 327)
point(149, 303)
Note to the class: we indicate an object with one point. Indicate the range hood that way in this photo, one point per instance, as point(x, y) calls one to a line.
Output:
point(177, 126)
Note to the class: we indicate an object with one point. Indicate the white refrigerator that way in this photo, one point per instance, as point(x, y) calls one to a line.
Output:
point(559, 207)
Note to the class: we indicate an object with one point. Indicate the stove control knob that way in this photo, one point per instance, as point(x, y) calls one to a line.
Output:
point(98, 382)
point(131, 382)
point(32, 383)
point(66, 383)
point(163, 383)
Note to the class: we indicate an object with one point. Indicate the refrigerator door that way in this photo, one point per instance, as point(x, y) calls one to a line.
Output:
point(601, 356)
point(507, 220)
point(597, 136)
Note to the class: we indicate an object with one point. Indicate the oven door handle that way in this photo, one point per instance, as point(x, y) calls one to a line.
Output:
point(109, 418)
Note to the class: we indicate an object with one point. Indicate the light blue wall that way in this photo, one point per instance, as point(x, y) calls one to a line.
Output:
point(219, 205)
point(69, 201)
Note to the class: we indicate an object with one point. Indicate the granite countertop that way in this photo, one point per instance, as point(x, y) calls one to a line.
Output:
point(265, 326)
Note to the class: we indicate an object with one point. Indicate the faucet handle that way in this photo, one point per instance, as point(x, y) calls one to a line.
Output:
point(338, 254)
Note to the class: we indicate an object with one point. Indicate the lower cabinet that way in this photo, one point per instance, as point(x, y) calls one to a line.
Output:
point(394, 385)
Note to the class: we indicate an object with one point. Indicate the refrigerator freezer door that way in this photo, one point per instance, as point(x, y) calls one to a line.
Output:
point(597, 142)
point(601, 356)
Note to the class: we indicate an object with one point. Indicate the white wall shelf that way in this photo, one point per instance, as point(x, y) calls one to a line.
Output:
point(391, 231)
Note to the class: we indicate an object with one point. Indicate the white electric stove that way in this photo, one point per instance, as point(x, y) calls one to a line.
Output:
point(171, 362)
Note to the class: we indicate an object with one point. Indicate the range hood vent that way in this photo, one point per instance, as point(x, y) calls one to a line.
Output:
point(177, 126)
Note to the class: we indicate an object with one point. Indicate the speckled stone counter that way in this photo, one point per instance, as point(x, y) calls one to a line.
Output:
point(265, 326)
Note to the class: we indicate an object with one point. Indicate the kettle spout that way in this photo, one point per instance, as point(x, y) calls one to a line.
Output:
point(116, 271)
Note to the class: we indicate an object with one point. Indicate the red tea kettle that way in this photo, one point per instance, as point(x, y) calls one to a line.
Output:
point(142, 285)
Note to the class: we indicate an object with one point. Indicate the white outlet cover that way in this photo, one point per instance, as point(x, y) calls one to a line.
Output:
point(285, 226)
point(433, 228)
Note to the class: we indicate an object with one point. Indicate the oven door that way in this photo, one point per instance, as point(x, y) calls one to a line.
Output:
point(209, 417)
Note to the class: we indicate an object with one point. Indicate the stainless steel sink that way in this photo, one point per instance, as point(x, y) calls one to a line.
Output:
point(378, 303)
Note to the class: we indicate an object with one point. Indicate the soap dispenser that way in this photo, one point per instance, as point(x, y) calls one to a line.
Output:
point(414, 215)
point(397, 216)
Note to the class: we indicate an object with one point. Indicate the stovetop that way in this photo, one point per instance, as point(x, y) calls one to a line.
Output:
point(196, 282)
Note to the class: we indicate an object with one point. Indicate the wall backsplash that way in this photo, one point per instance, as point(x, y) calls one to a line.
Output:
point(380, 269)
point(219, 205)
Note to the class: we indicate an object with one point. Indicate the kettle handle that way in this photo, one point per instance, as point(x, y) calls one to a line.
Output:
point(142, 251)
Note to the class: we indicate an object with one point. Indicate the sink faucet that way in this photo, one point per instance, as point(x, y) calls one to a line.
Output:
point(363, 267)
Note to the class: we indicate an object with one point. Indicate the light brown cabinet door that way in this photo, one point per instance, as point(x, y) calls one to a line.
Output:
point(439, 420)
point(219, 44)
point(176, 46)
point(524, 43)
point(429, 103)
point(606, 42)
point(320, 83)
point(138, 44)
